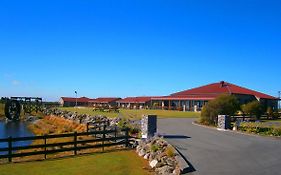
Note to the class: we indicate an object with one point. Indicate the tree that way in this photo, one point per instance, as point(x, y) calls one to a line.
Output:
point(223, 105)
point(253, 108)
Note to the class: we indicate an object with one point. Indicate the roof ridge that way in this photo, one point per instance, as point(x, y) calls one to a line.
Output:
point(193, 88)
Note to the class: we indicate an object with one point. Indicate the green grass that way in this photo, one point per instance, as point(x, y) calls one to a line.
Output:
point(159, 113)
point(130, 113)
point(89, 111)
point(121, 162)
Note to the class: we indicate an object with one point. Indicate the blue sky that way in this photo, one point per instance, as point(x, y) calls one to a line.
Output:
point(137, 47)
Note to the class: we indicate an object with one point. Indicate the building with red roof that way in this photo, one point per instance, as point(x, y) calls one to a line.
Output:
point(71, 102)
point(135, 102)
point(188, 100)
point(194, 99)
point(104, 101)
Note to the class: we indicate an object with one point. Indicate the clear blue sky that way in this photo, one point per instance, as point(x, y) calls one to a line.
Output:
point(137, 47)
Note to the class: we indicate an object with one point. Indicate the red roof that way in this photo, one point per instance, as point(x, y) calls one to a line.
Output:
point(187, 97)
point(216, 89)
point(105, 100)
point(79, 100)
point(136, 100)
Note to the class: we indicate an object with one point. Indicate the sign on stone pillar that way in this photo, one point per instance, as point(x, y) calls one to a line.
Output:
point(148, 126)
point(224, 122)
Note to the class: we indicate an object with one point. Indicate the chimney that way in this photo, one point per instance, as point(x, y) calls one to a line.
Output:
point(222, 83)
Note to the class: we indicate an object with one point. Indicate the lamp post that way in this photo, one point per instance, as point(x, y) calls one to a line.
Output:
point(279, 102)
point(76, 99)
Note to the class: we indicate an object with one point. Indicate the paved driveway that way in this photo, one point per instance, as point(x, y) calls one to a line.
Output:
point(213, 152)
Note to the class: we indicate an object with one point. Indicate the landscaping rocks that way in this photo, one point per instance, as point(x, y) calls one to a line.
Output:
point(97, 121)
point(161, 155)
point(165, 170)
point(31, 119)
point(153, 163)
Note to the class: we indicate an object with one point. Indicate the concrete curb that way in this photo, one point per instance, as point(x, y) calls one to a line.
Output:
point(238, 132)
point(184, 165)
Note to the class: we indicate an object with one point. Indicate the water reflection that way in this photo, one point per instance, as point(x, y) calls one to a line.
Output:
point(14, 129)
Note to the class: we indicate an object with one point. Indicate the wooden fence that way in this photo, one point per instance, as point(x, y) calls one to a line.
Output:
point(107, 138)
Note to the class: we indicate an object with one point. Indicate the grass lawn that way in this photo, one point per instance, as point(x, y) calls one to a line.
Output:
point(121, 162)
point(159, 113)
point(130, 113)
point(89, 111)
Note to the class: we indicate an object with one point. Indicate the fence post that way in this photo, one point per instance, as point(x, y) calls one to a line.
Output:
point(75, 143)
point(88, 127)
point(45, 146)
point(103, 137)
point(127, 137)
point(10, 146)
point(115, 134)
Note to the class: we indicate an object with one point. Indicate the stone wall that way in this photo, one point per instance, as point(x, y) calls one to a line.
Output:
point(160, 154)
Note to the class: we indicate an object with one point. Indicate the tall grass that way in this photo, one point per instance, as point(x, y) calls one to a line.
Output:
point(55, 125)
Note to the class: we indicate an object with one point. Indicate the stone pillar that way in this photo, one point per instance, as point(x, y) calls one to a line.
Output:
point(148, 126)
point(224, 122)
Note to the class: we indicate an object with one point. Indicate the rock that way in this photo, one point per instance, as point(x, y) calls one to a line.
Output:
point(152, 156)
point(160, 164)
point(176, 171)
point(153, 163)
point(161, 155)
point(142, 153)
point(138, 148)
point(165, 170)
point(171, 162)
point(146, 156)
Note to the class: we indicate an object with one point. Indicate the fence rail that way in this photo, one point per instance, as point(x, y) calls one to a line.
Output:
point(108, 138)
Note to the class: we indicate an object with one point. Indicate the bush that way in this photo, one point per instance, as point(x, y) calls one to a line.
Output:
point(134, 129)
point(253, 108)
point(276, 131)
point(123, 124)
point(170, 151)
point(223, 105)
point(260, 128)
point(154, 148)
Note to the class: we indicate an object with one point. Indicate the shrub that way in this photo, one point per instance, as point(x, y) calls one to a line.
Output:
point(123, 123)
point(260, 128)
point(276, 131)
point(170, 151)
point(223, 105)
point(253, 108)
point(154, 148)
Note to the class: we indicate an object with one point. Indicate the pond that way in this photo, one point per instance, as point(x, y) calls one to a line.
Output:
point(14, 129)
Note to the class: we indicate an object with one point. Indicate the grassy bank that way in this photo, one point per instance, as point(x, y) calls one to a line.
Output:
point(121, 162)
point(135, 113)
point(55, 125)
